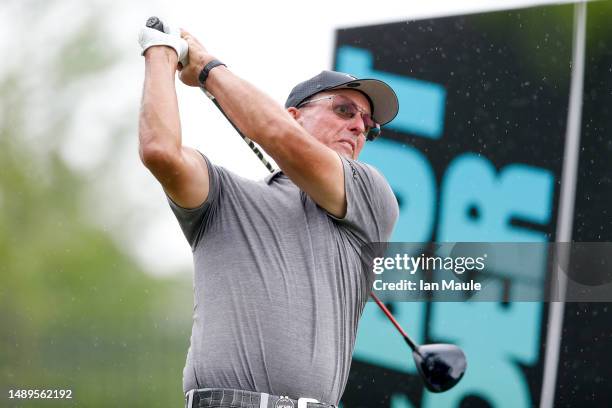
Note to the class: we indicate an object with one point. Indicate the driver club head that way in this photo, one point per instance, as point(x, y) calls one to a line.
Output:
point(441, 365)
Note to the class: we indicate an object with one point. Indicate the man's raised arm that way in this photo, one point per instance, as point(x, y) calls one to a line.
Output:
point(181, 171)
point(312, 166)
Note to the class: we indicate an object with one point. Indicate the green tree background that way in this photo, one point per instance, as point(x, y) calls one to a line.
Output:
point(76, 311)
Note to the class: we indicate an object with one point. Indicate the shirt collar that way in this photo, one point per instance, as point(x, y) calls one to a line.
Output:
point(272, 176)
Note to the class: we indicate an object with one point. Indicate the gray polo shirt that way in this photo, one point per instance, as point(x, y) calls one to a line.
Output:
point(278, 283)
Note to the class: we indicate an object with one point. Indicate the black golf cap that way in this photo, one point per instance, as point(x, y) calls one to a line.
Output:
point(381, 96)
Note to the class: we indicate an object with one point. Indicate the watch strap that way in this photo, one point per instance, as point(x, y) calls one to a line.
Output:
point(206, 70)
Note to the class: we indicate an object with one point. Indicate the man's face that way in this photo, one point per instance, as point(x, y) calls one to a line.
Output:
point(345, 136)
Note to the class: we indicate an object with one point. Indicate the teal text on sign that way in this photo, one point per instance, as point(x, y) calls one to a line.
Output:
point(421, 103)
point(495, 337)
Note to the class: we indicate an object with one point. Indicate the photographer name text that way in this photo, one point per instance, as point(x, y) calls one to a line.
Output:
point(422, 285)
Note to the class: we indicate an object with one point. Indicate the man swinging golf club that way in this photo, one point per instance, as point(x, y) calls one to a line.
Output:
point(278, 285)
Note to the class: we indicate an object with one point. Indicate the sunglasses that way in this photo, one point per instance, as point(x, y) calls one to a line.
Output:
point(346, 109)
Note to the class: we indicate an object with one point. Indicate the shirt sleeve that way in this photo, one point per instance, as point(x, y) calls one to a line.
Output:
point(193, 220)
point(371, 206)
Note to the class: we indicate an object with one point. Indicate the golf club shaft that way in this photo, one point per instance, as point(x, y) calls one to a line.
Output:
point(386, 311)
point(248, 141)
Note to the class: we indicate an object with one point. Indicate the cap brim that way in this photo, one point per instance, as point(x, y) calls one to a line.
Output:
point(385, 104)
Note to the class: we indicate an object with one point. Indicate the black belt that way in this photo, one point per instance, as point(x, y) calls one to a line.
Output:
point(227, 398)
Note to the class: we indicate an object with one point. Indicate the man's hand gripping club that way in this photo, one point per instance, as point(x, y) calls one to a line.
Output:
point(192, 56)
point(152, 35)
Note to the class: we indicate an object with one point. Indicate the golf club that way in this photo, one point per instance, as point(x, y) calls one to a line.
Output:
point(441, 366)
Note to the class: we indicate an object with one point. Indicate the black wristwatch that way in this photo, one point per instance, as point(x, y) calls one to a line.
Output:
point(206, 70)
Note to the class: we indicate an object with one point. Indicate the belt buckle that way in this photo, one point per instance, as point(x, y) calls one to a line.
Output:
point(303, 402)
point(283, 402)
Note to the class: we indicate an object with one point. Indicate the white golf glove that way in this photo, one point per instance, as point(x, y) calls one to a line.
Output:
point(150, 37)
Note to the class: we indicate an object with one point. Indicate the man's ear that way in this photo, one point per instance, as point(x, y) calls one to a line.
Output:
point(294, 112)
